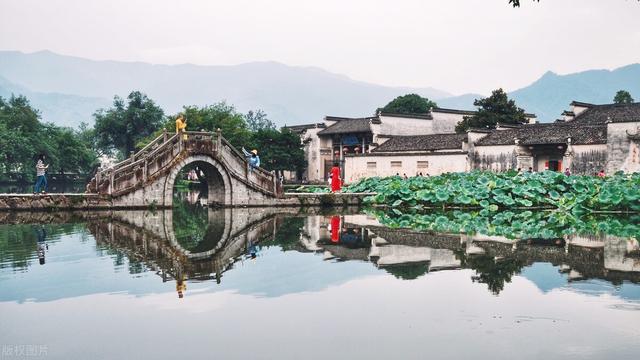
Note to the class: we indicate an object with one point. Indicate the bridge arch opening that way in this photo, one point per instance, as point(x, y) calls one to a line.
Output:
point(201, 182)
point(198, 229)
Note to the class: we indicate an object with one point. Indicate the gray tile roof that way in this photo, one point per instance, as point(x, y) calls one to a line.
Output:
point(600, 114)
point(298, 129)
point(423, 143)
point(345, 126)
point(453, 111)
point(426, 116)
point(554, 133)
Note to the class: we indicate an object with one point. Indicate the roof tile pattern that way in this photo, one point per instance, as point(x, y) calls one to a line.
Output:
point(348, 126)
point(554, 133)
point(600, 114)
point(423, 143)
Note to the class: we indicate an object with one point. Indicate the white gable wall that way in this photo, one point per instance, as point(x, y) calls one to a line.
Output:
point(391, 125)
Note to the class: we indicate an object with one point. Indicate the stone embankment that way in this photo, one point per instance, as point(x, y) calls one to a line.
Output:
point(68, 202)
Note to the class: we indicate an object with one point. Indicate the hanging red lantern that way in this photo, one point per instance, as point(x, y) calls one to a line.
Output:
point(356, 149)
point(337, 152)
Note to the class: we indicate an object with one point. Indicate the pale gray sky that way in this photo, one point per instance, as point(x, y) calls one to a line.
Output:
point(455, 45)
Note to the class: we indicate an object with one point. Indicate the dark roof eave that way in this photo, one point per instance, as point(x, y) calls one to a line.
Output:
point(453, 111)
point(581, 104)
point(411, 116)
point(410, 153)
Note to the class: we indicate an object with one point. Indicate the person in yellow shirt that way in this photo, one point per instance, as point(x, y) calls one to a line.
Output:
point(181, 124)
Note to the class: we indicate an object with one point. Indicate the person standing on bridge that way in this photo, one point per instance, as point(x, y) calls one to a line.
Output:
point(252, 158)
point(41, 171)
point(181, 125)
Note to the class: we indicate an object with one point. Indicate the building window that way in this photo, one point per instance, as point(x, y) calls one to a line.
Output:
point(423, 164)
point(371, 165)
point(396, 164)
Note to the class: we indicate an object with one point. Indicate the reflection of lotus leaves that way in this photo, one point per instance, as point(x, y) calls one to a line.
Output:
point(548, 190)
point(513, 225)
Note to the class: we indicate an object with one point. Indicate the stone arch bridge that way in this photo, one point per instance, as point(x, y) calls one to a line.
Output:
point(147, 177)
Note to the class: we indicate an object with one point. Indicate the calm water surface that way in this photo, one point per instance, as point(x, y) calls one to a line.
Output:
point(291, 284)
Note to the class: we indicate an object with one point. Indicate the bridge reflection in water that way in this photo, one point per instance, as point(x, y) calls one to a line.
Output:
point(189, 242)
point(192, 242)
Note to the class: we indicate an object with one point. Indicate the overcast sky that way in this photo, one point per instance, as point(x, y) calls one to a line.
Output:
point(455, 45)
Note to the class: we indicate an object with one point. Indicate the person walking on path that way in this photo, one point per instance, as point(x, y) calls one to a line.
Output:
point(602, 174)
point(336, 182)
point(252, 158)
point(41, 181)
point(567, 172)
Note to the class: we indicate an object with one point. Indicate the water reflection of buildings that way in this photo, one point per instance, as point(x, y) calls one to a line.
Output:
point(409, 254)
point(197, 243)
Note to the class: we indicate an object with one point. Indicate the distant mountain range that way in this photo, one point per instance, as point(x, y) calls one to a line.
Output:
point(289, 95)
point(68, 90)
point(61, 109)
point(551, 94)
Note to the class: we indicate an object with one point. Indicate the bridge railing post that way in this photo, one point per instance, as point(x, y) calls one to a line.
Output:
point(218, 143)
point(144, 170)
point(275, 182)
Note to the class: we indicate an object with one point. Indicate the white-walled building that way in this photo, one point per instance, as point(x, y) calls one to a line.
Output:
point(588, 139)
point(336, 139)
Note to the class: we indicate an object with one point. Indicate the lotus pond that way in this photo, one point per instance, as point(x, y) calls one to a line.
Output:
point(495, 191)
point(286, 283)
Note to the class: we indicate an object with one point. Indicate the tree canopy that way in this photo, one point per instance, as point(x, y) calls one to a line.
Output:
point(279, 150)
point(119, 128)
point(258, 120)
point(212, 117)
point(408, 104)
point(130, 122)
point(492, 110)
point(23, 137)
point(623, 97)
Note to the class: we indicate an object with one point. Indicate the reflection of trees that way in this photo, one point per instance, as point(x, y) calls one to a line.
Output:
point(409, 271)
point(288, 234)
point(494, 272)
point(192, 228)
point(19, 243)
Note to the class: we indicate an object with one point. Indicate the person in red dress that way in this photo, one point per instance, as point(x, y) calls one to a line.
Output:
point(335, 229)
point(336, 181)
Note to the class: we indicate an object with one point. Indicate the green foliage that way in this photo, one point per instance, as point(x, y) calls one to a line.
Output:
point(492, 110)
point(257, 121)
point(279, 150)
point(19, 243)
point(287, 235)
point(493, 191)
point(623, 97)
point(212, 117)
point(23, 137)
point(125, 124)
point(193, 229)
point(408, 104)
point(512, 224)
point(494, 272)
point(314, 189)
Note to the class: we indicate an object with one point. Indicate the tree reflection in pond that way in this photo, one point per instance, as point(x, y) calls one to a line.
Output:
point(197, 228)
